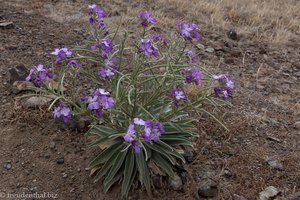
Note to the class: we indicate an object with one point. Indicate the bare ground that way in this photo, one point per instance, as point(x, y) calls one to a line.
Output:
point(266, 107)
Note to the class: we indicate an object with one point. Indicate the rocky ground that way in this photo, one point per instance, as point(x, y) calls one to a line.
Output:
point(261, 150)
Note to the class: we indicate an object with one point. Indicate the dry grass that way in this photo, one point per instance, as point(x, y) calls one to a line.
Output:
point(273, 21)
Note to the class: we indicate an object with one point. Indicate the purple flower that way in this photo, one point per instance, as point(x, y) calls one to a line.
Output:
point(107, 102)
point(148, 48)
point(111, 62)
point(137, 146)
point(157, 37)
point(62, 111)
point(222, 92)
point(106, 73)
point(223, 85)
point(189, 31)
point(97, 44)
point(178, 94)
point(143, 131)
point(191, 55)
point(93, 6)
point(94, 9)
point(147, 18)
point(100, 92)
point(37, 74)
point(74, 63)
point(138, 121)
point(130, 135)
point(106, 46)
point(101, 100)
point(193, 75)
point(93, 103)
point(62, 53)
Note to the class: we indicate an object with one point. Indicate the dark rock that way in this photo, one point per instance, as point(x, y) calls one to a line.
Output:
point(175, 183)
point(80, 123)
point(184, 176)
point(60, 160)
point(206, 184)
point(232, 34)
point(18, 73)
point(237, 197)
point(208, 188)
point(47, 155)
point(8, 166)
point(188, 155)
point(157, 181)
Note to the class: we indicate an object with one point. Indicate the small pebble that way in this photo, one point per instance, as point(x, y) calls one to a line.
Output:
point(65, 175)
point(60, 161)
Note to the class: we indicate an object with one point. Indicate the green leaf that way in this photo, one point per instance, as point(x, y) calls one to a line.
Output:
point(105, 168)
point(117, 165)
point(143, 172)
point(175, 140)
point(107, 153)
point(108, 185)
point(171, 150)
point(100, 141)
point(162, 151)
point(129, 173)
point(103, 130)
point(163, 164)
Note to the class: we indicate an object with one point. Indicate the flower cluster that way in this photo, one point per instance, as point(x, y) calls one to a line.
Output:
point(191, 55)
point(193, 75)
point(178, 95)
point(143, 131)
point(96, 13)
point(148, 48)
point(62, 53)
point(38, 74)
point(62, 111)
point(99, 101)
point(107, 73)
point(189, 31)
point(106, 46)
point(223, 85)
point(147, 18)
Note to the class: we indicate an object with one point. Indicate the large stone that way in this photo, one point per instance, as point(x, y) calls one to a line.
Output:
point(269, 193)
point(35, 102)
point(19, 86)
point(206, 184)
point(18, 73)
point(297, 125)
point(175, 183)
point(6, 25)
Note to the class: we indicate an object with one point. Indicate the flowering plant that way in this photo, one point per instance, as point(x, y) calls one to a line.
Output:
point(139, 102)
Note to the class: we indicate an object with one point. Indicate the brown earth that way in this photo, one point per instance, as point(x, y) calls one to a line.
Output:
point(266, 106)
